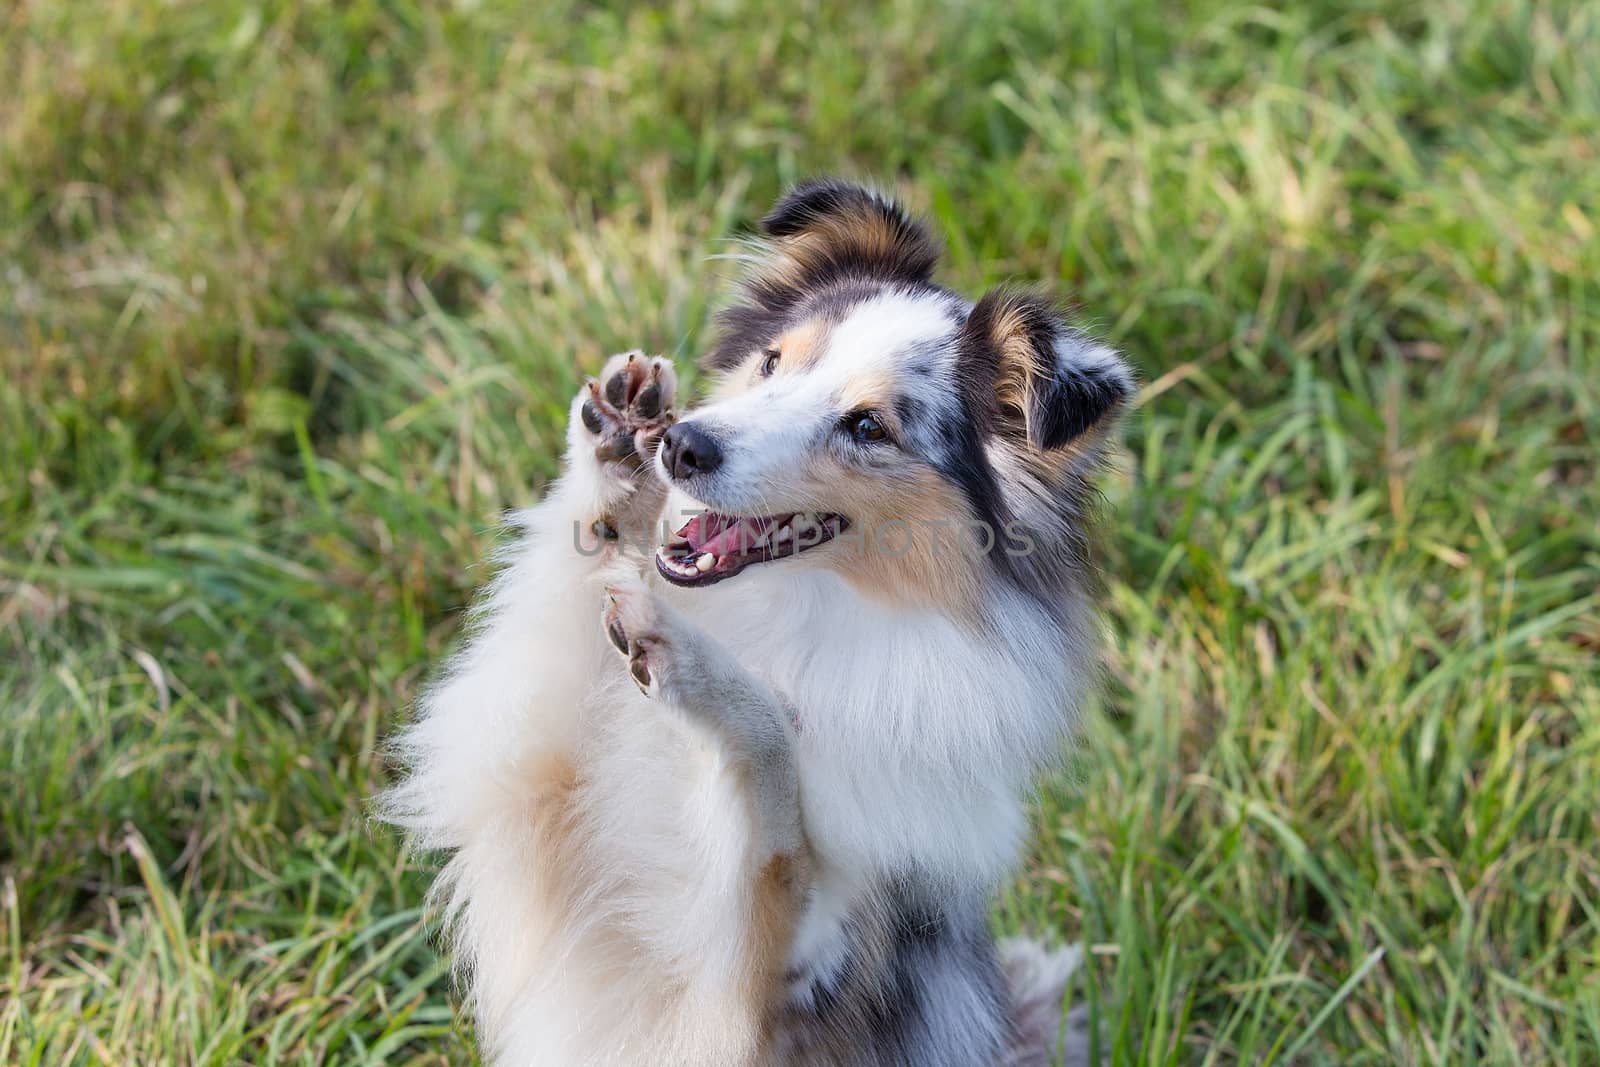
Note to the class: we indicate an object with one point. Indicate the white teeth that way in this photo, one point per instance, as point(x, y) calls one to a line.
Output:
point(783, 534)
point(677, 566)
point(705, 563)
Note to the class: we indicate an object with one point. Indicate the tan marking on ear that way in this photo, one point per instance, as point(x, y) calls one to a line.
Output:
point(776, 269)
point(864, 231)
point(1021, 365)
point(858, 232)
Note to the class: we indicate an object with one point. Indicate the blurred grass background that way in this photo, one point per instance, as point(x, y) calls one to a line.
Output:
point(292, 297)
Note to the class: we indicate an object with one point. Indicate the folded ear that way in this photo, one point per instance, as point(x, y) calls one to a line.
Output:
point(828, 227)
point(1037, 375)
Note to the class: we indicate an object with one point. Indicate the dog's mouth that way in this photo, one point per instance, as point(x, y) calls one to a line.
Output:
point(711, 547)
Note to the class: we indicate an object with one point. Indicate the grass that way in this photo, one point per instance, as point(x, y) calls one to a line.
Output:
point(291, 300)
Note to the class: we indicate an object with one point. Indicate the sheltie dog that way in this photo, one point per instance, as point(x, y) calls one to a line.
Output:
point(741, 741)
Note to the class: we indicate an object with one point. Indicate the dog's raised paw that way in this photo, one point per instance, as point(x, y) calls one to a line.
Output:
point(628, 407)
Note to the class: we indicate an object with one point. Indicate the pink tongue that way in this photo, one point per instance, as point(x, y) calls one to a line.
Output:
point(697, 531)
point(740, 537)
point(721, 535)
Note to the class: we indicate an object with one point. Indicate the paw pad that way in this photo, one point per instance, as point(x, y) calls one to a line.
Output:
point(629, 406)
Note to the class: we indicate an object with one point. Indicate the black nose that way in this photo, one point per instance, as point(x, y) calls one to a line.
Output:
point(686, 449)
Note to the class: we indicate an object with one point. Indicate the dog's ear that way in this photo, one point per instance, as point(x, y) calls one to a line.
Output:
point(828, 227)
point(823, 231)
point(1034, 374)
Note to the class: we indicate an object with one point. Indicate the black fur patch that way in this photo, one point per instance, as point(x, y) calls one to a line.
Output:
point(965, 463)
point(906, 409)
point(748, 327)
point(923, 986)
point(1075, 400)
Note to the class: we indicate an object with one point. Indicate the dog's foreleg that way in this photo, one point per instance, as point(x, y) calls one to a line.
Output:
point(513, 696)
point(674, 661)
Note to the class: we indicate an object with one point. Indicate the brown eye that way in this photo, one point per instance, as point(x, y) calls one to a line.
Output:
point(865, 427)
point(769, 362)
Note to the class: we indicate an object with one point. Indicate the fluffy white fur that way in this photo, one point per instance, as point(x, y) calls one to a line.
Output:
point(916, 744)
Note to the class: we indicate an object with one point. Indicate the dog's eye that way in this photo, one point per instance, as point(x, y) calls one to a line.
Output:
point(865, 427)
point(769, 362)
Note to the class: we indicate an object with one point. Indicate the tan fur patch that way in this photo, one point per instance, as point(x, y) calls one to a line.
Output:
point(802, 346)
point(743, 1015)
point(775, 900)
point(1021, 365)
point(553, 817)
point(859, 232)
point(777, 896)
point(838, 1040)
point(873, 391)
point(905, 545)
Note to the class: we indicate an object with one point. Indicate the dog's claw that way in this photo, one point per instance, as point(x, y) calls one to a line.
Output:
point(640, 671)
point(636, 648)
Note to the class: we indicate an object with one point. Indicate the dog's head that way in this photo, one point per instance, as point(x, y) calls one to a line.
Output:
point(869, 421)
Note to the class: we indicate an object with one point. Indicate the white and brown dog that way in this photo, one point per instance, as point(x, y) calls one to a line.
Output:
point(767, 831)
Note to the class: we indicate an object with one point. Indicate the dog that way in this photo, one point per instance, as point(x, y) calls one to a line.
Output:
point(741, 740)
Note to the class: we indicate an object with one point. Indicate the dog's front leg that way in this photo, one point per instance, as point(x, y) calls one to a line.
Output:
point(672, 660)
point(515, 695)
